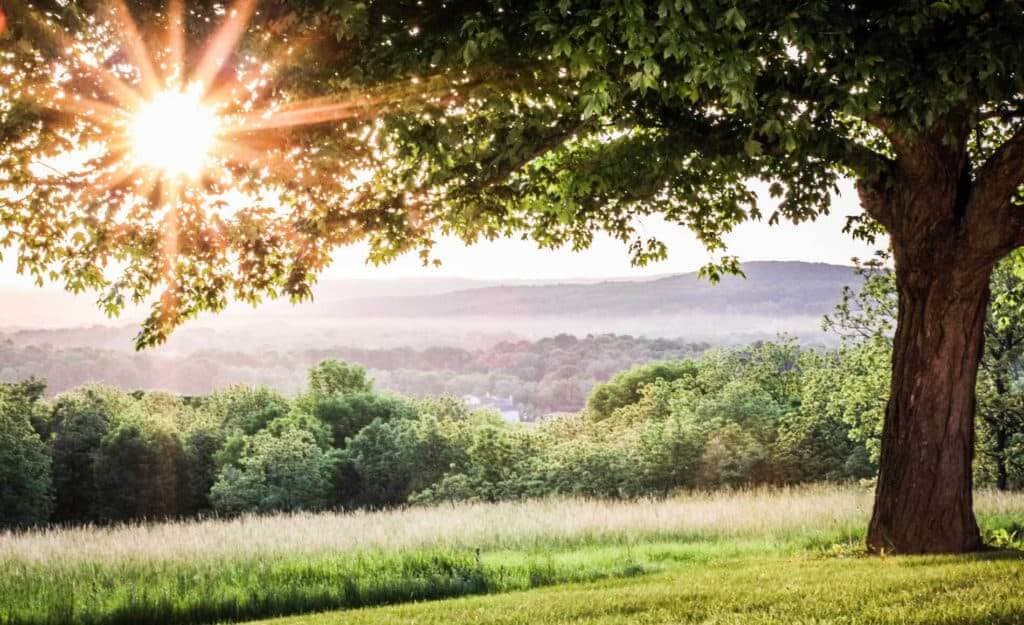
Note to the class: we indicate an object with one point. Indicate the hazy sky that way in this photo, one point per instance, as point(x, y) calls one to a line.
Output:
point(820, 241)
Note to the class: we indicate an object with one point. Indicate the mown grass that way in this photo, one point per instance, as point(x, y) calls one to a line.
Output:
point(217, 571)
point(971, 590)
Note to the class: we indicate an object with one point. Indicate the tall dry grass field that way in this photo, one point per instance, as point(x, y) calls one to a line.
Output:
point(762, 513)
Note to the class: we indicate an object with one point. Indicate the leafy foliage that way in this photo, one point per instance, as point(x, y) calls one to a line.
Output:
point(625, 388)
point(767, 413)
point(283, 471)
point(81, 419)
point(348, 414)
point(332, 377)
point(137, 467)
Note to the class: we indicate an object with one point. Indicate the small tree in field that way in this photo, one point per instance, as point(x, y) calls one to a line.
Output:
point(551, 120)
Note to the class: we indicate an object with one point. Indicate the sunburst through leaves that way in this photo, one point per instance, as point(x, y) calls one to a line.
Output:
point(147, 147)
point(168, 121)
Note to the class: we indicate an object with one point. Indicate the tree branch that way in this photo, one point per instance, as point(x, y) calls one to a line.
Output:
point(1001, 175)
point(995, 185)
point(862, 160)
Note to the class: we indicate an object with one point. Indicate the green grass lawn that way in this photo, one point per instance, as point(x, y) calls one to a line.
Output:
point(984, 589)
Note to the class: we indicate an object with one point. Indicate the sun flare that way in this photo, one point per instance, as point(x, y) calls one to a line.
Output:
point(169, 122)
point(174, 133)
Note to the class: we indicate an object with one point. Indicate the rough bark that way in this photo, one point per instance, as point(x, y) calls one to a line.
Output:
point(946, 236)
point(923, 502)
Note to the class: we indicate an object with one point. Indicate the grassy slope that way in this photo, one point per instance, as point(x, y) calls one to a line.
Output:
point(749, 591)
point(169, 593)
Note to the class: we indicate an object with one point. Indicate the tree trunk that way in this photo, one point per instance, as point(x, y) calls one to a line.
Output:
point(949, 221)
point(923, 502)
point(1002, 475)
point(1002, 438)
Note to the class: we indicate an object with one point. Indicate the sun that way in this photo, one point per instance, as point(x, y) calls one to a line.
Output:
point(174, 133)
point(171, 123)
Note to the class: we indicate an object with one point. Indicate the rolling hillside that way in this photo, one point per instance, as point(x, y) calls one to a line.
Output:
point(774, 297)
point(769, 289)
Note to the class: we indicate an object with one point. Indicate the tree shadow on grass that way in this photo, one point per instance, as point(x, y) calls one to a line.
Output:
point(990, 554)
point(1005, 618)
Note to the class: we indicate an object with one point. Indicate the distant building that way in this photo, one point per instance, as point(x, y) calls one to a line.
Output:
point(503, 405)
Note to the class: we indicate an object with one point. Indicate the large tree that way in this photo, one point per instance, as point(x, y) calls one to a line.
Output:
point(541, 118)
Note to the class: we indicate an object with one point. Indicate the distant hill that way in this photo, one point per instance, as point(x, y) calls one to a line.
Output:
point(774, 297)
point(769, 289)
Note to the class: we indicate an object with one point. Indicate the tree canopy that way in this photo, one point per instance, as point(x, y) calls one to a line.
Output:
point(550, 120)
point(112, 457)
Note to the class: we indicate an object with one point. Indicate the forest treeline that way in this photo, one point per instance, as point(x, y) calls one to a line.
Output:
point(769, 413)
point(548, 375)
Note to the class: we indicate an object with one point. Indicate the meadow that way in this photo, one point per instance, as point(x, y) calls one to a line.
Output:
point(251, 567)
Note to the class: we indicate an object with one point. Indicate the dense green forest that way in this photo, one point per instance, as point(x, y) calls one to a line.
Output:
point(769, 413)
point(544, 376)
